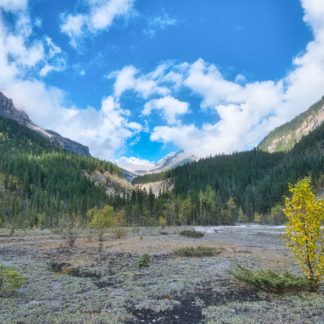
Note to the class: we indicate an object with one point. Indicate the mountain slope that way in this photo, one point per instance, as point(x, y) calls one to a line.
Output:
point(254, 181)
point(40, 183)
point(286, 136)
point(8, 110)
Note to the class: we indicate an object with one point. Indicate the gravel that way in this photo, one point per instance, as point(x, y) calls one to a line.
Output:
point(83, 285)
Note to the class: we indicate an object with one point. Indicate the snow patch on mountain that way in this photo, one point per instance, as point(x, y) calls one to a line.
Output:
point(135, 166)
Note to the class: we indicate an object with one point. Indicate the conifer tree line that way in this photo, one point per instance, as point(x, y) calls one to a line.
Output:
point(239, 187)
point(41, 185)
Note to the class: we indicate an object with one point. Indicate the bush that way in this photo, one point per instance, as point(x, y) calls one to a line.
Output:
point(10, 279)
point(192, 233)
point(100, 219)
point(270, 281)
point(144, 261)
point(200, 251)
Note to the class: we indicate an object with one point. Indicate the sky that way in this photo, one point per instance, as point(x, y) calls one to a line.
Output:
point(137, 79)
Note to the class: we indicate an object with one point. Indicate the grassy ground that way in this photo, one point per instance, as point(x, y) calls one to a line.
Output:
point(85, 285)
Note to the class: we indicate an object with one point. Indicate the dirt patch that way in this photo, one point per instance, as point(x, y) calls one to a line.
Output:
point(186, 312)
point(190, 306)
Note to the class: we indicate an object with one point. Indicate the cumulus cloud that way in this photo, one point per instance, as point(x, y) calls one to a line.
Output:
point(99, 15)
point(145, 85)
point(20, 54)
point(135, 164)
point(169, 107)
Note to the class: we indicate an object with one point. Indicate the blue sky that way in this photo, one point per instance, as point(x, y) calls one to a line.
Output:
point(136, 79)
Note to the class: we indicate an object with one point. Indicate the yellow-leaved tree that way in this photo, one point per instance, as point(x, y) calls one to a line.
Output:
point(305, 214)
point(100, 219)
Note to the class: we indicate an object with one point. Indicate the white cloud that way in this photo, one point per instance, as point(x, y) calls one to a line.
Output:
point(145, 85)
point(313, 15)
point(207, 81)
point(20, 54)
point(169, 107)
point(100, 15)
point(53, 49)
point(14, 50)
point(47, 68)
point(134, 164)
point(240, 78)
point(73, 26)
point(159, 23)
point(13, 5)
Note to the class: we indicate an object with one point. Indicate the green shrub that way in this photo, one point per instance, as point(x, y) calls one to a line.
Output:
point(144, 261)
point(10, 279)
point(200, 251)
point(192, 233)
point(270, 281)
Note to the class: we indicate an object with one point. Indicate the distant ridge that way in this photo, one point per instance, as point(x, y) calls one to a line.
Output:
point(285, 137)
point(170, 161)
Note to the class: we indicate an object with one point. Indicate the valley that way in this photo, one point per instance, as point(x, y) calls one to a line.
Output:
point(91, 242)
point(161, 162)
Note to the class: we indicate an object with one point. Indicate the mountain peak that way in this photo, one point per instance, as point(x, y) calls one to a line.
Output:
point(8, 110)
point(169, 161)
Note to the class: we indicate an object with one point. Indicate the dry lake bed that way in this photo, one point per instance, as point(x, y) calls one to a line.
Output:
point(86, 284)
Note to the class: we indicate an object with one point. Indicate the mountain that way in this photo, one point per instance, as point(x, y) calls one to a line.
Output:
point(8, 110)
point(284, 138)
point(41, 184)
point(170, 161)
point(173, 160)
point(217, 190)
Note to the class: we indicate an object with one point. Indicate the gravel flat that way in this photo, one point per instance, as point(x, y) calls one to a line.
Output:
point(86, 284)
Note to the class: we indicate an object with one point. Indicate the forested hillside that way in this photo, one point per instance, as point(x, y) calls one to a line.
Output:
point(241, 186)
point(41, 183)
